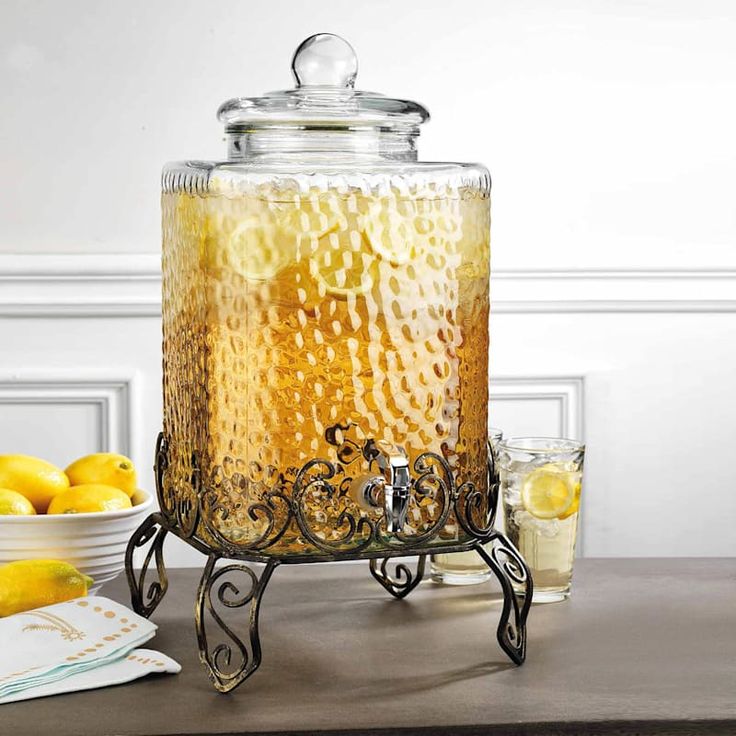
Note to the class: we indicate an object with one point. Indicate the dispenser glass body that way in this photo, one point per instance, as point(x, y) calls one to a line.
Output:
point(318, 303)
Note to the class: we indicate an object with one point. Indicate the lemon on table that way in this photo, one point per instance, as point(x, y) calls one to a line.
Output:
point(28, 584)
point(89, 498)
point(547, 494)
point(13, 503)
point(32, 477)
point(106, 468)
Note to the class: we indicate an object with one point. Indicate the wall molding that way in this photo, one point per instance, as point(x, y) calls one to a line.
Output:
point(528, 291)
point(565, 391)
point(43, 285)
point(129, 285)
point(114, 395)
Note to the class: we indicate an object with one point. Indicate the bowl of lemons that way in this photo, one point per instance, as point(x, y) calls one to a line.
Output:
point(83, 515)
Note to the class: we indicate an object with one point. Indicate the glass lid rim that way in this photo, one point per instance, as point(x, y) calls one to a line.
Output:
point(324, 67)
point(335, 106)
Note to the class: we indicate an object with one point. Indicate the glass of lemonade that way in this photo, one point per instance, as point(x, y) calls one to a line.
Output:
point(541, 481)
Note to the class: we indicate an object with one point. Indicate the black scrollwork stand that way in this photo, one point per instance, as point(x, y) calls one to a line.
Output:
point(237, 585)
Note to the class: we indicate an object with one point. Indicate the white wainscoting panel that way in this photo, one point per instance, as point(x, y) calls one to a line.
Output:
point(639, 364)
point(545, 406)
point(36, 407)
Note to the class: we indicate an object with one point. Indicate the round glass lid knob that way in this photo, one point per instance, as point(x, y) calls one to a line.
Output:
point(325, 60)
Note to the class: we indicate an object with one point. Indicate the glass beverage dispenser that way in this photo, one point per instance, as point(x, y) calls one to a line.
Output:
point(325, 322)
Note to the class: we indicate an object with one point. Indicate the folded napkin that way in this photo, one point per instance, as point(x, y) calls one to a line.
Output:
point(67, 640)
point(135, 664)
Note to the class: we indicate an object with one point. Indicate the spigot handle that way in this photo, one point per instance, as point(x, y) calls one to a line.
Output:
point(394, 466)
point(394, 480)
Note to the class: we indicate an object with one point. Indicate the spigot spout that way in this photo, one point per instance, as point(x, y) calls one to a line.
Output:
point(391, 488)
point(394, 466)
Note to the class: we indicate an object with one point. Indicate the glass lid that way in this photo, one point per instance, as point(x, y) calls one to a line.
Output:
point(324, 67)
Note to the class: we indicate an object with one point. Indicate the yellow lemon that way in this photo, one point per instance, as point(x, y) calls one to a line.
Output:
point(241, 235)
point(250, 248)
point(574, 506)
point(28, 584)
point(547, 494)
point(342, 265)
point(89, 498)
point(32, 477)
point(15, 504)
point(389, 227)
point(107, 468)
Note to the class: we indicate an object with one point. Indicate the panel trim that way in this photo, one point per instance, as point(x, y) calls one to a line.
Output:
point(528, 291)
point(114, 395)
point(81, 285)
point(567, 391)
point(43, 285)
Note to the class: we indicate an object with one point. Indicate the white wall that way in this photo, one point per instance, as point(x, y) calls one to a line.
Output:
point(608, 128)
point(608, 125)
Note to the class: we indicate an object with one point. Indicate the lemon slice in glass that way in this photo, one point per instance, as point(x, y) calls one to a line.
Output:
point(547, 494)
point(239, 236)
point(389, 227)
point(343, 265)
point(254, 249)
point(574, 506)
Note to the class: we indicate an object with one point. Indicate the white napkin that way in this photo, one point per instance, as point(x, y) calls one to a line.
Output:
point(46, 645)
point(135, 664)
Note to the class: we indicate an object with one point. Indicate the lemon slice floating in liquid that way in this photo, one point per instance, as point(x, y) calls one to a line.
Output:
point(389, 228)
point(248, 245)
point(343, 265)
point(253, 249)
point(547, 494)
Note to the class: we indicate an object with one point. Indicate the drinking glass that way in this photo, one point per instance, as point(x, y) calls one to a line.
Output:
point(541, 481)
point(464, 568)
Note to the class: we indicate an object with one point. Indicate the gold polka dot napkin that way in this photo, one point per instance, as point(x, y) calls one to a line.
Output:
point(58, 643)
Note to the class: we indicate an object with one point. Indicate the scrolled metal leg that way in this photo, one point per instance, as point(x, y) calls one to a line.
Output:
point(230, 592)
point(403, 581)
point(510, 569)
point(144, 600)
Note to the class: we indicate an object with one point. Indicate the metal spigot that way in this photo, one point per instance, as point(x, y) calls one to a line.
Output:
point(394, 481)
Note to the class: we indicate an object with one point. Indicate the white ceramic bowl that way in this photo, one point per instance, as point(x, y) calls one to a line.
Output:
point(94, 543)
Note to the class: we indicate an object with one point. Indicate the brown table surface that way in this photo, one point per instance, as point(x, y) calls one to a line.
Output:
point(644, 646)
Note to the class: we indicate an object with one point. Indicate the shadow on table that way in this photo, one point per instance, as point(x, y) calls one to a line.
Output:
point(417, 683)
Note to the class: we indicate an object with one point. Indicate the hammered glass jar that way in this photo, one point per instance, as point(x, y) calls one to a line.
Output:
point(322, 289)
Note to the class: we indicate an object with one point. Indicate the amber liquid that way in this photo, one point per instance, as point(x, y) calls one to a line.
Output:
point(288, 313)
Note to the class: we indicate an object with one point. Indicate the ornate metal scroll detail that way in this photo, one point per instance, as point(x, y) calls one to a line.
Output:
point(516, 581)
point(434, 480)
point(232, 661)
point(337, 529)
point(475, 511)
point(315, 503)
point(145, 600)
point(160, 466)
point(403, 581)
point(181, 511)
